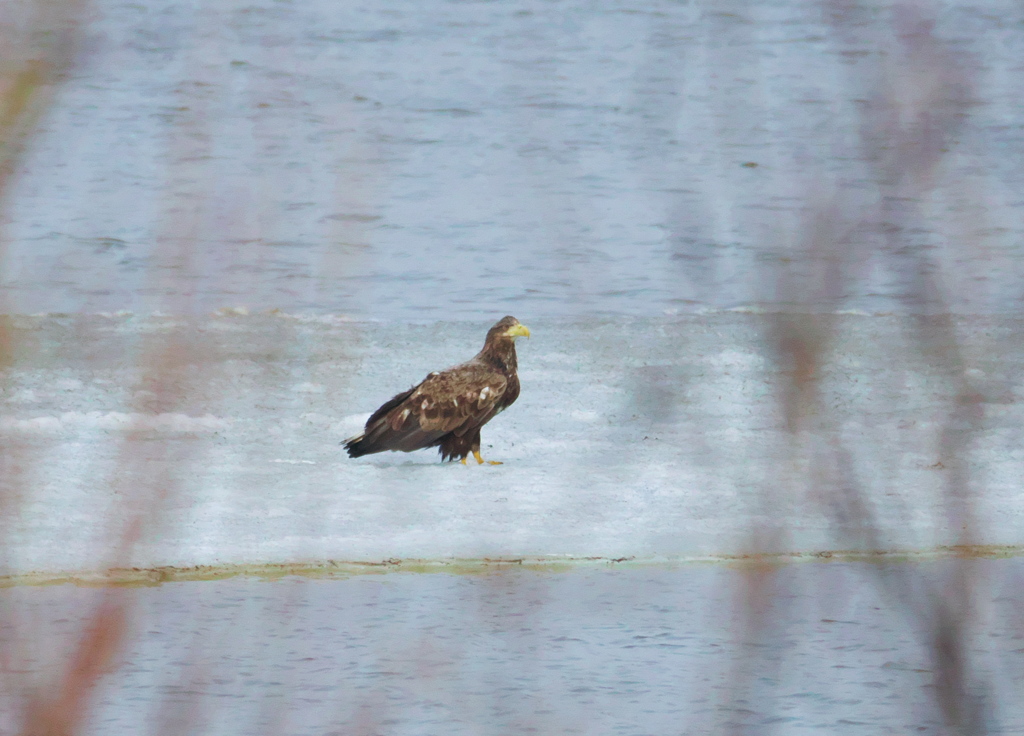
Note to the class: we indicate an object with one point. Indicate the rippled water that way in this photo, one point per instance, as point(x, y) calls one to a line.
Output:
point(451, 159)
point(590, 651)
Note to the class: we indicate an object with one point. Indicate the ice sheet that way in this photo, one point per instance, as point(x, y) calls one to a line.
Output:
point(644, 438)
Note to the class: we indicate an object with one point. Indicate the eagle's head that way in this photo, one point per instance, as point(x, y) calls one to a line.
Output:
point(507, 328)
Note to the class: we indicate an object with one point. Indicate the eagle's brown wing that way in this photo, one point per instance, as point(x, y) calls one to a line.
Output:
point(456, 400)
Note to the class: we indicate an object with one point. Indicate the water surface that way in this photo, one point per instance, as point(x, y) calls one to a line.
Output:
point(458, 160)
point(811, 647)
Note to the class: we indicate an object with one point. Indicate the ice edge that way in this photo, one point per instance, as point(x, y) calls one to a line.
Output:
point(148, 576)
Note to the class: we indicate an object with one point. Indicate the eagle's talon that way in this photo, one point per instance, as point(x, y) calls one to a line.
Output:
point(480, 460)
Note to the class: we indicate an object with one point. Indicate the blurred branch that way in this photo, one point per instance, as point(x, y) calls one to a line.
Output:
point(34, 62)
point(63, 712)
point(38, 53)
point(916, 108)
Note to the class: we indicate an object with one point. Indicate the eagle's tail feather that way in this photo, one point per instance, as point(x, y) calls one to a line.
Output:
point(354, 445)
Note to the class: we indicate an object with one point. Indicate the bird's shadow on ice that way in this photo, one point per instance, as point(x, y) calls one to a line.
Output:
point(406, 464)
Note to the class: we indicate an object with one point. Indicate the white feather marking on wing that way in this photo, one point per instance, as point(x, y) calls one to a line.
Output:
point(425, 404)
point(405, 414)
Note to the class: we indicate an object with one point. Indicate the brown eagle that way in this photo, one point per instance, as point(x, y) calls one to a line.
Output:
point(448, 408)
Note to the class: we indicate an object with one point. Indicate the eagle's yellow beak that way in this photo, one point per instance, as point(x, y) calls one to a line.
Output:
point(518, 331)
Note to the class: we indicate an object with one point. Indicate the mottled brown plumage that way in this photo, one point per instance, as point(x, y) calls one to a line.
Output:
point(448, 408)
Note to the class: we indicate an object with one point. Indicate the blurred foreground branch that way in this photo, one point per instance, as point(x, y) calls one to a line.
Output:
point(917, 107)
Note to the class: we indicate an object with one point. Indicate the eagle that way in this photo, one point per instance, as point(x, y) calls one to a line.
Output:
point(448, 408)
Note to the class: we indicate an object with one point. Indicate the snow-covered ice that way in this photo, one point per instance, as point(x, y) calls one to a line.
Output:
point(635, 437)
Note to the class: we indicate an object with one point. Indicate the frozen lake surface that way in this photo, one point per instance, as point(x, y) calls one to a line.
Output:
point(594, 650)
point(646, 438)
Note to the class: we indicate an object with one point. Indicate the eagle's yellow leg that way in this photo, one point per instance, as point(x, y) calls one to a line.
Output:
point(480, 460)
